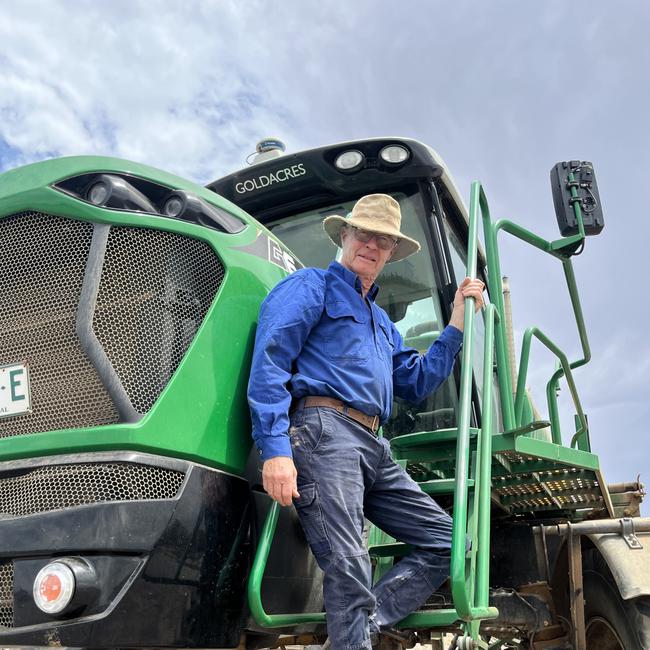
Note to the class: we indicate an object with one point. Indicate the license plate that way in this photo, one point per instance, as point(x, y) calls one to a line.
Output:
point(15, 398)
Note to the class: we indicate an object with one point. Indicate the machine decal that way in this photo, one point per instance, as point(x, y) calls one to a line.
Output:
point(15, 397)
point(265, 180)
point(271, 250)
point(281, 257)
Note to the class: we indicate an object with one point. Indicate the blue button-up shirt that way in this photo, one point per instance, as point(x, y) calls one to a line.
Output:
point(317, 335)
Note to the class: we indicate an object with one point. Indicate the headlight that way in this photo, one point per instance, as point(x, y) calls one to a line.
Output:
point(187, 206)
point(349, 160)
point(174, 205)
point(112, 191)
point(98, 193)
point(394, 154)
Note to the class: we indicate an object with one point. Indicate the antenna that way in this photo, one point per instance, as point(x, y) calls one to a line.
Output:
point(266, 149)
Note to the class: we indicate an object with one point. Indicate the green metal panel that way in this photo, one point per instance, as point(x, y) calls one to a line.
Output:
point(202, 414)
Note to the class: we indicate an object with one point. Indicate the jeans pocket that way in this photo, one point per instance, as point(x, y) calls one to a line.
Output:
point(311, 518)
point(312, 432)
point(296, 436)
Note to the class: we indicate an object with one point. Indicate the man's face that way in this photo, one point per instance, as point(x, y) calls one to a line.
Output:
point(366, 259)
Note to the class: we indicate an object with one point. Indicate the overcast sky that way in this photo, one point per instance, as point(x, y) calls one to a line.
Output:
point(501, 89)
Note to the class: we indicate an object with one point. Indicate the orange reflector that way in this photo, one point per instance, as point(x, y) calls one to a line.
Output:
point(50, 587)
point(54, 587)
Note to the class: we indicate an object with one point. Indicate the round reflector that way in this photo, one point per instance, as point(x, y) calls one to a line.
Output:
point(54, 587)
point(349, 160)
point(394, 154)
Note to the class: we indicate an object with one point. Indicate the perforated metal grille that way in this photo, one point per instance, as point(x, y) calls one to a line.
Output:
point(549, 490)
point(42, 264)
point(7, 594)
point(155, 290)
point(65, 486)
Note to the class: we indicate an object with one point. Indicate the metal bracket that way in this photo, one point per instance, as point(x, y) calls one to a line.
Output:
point(528, 428)
point(627, 533)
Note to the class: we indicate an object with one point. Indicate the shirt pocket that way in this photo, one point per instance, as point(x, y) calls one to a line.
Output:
point(346, 333)
point(385, 341)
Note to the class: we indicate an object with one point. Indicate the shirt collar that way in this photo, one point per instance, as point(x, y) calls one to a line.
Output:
point(351, 278)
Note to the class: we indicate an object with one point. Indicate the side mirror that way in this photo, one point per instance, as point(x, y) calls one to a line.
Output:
point(565, 177)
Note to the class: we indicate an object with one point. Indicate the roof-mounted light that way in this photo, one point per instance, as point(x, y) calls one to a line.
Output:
point(349, 161)
point(394, 154)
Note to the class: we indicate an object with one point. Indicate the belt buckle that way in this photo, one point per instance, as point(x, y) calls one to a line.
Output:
point(374, 427)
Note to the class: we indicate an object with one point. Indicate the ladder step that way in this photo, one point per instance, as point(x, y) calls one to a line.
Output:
point(430, 618)
point(444, 617)
point(442, 485)
point(394, 549)
point(425, 438)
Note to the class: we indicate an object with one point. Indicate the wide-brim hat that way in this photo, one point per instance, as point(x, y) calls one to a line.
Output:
point(378, 213)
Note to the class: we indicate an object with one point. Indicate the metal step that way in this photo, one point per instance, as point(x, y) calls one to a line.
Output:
point(442, 485)
point(424, 438)
point(429, 446)
point(393, 549)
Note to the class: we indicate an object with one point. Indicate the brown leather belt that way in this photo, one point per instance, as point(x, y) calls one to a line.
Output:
point(369, 421)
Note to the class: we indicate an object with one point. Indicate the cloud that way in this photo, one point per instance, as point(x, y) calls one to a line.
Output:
point(168, 91)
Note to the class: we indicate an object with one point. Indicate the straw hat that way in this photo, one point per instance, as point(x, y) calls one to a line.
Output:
point(378, 213)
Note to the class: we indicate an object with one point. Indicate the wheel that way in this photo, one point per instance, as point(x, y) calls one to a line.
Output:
point(613, 623)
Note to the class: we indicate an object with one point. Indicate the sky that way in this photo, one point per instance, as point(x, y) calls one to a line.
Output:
point(501, 89)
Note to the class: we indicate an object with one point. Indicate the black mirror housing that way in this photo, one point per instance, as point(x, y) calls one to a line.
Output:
point(584, 182)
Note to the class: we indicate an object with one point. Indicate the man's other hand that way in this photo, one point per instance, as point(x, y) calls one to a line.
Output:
point(468, 288)
point(279, 479)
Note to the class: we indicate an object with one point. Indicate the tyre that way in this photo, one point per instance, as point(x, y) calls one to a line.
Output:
point(611, 622)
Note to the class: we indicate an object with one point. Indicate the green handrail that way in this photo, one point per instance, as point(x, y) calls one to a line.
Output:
point(496, 296)
point(460, 587)
point(255, 581)
point(513, 409)
point(485, 466)
point(470, 588)
point(470, 580)
point(551, 397)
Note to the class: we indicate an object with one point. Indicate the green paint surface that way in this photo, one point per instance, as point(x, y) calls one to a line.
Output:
point(202, 414)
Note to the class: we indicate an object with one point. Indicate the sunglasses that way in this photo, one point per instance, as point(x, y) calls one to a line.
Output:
point(384, 242)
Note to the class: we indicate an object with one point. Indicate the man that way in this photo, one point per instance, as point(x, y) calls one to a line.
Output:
point(326, 364)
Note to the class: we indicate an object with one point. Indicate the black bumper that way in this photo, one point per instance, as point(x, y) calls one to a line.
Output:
point(170, 572)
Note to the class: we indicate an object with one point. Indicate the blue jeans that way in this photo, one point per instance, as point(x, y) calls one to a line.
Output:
point(346, 473)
